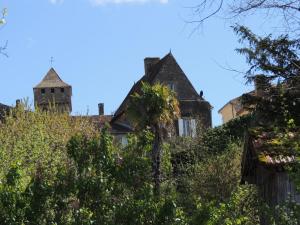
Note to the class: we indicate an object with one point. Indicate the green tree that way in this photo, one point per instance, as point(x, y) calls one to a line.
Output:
point(37, 140)
point(155, 107)
point(272, 60)
point(272, 57)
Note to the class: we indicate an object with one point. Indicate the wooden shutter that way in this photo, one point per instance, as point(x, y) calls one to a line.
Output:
point(124, 141)
point(193, 128)
point(180, 127)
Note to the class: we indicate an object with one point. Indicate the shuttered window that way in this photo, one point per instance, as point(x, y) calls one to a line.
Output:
point(187, 127)
point(124, 141)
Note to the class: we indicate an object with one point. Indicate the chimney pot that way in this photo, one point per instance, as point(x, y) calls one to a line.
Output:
point(18, 102)
point(101, 109)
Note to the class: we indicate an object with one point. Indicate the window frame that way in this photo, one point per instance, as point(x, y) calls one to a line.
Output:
point(187, 127)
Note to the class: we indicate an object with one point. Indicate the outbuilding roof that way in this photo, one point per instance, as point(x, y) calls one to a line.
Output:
point(52, 80)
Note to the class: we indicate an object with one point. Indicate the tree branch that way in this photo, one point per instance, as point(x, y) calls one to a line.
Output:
point(3, 49)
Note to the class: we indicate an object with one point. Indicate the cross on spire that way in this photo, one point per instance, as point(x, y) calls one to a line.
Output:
point(51, 61)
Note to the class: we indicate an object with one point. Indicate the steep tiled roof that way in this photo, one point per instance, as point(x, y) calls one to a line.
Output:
point(150, 78)
point(2, 106)
point(52, 80)
point(99, 121)
point(266, 148)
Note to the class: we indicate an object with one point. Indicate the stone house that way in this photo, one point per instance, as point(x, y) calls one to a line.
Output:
point(192, 104)
point(234, 108)
point(52, 90)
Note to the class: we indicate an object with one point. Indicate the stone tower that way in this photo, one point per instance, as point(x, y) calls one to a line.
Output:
point(53, 91)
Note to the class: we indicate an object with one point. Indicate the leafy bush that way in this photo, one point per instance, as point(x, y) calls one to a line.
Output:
point(37, 139)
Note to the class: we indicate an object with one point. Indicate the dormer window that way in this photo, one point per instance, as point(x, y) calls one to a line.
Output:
point(52, 90)
point(43, 91)
point(171, 86)
point(62, 90)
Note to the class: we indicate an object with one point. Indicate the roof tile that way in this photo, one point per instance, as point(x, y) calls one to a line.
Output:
point(52, 80)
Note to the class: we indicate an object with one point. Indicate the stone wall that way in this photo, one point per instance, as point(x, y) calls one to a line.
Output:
point(61, 98)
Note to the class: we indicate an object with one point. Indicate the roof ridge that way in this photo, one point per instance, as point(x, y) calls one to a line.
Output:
point(145, 78)
point(52, 79)
point(157, 67)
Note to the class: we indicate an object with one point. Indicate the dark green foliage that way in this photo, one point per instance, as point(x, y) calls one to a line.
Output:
point(217, 139)
point(276, 108)
point(106, 185)
point(101, 185)
point(273, 57)
point(12, 202)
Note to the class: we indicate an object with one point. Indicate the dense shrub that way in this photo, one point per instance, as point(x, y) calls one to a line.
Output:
point(59, 170)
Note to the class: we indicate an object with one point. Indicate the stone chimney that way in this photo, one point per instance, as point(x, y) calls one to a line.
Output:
point(149, 63)
point(101, 109)
point(261, 84)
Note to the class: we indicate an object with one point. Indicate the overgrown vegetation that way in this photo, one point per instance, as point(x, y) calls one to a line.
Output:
point(57, 169)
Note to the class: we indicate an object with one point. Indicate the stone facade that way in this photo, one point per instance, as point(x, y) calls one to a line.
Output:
point(167, 71)
point(52, 91)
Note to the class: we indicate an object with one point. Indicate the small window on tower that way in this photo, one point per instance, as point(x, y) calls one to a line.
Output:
point(52, 90)
point(43, 91)
point(62, 90)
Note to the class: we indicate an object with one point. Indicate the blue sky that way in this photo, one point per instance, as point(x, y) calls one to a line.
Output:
point(99, 46)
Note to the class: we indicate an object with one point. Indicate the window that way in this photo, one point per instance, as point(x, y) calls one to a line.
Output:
point(124, 141)
point(187, 127)
point(43, 91)
point(171, 86)
point(52, 90)
point(62, 90)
